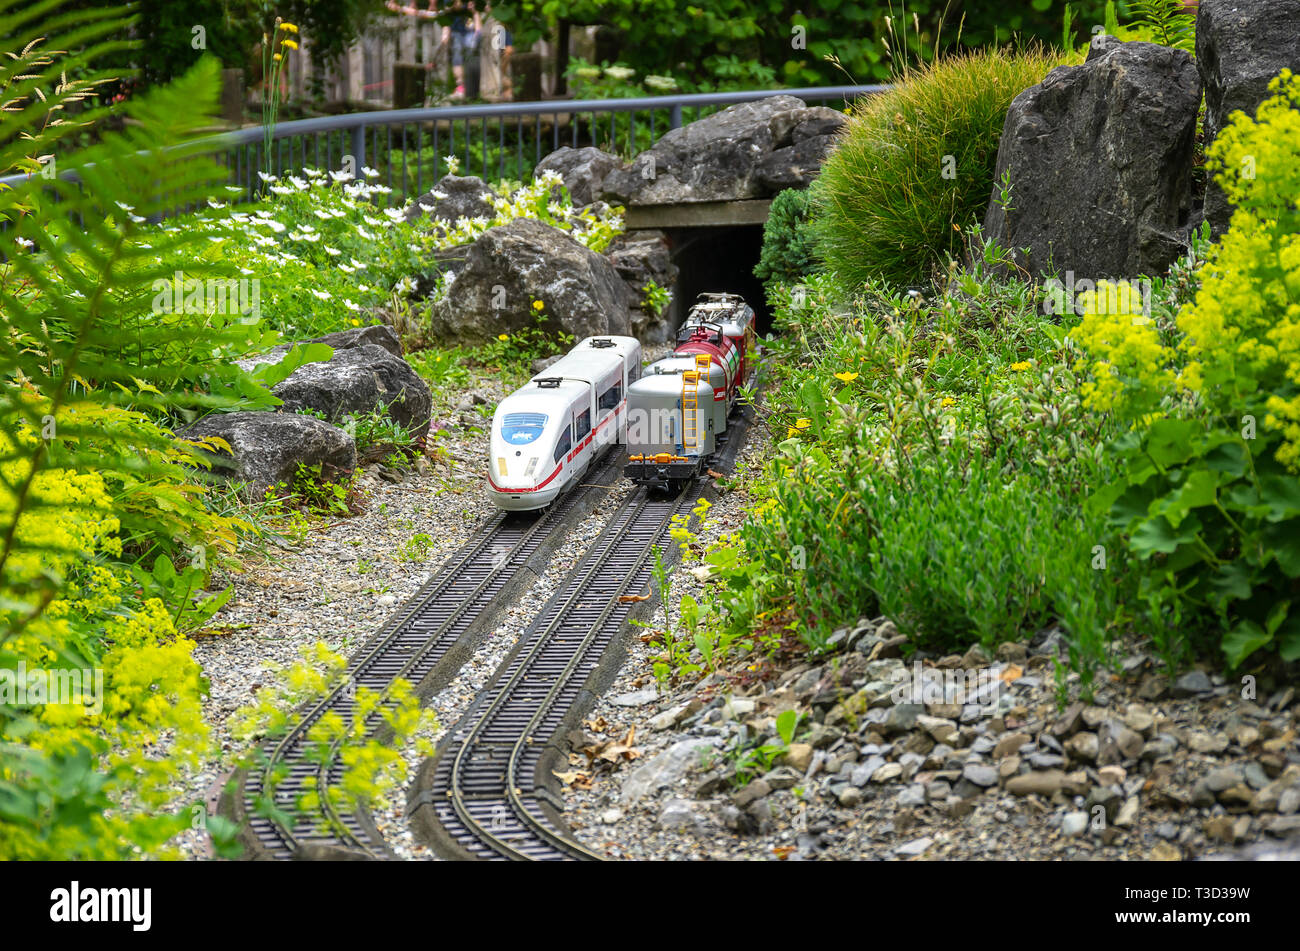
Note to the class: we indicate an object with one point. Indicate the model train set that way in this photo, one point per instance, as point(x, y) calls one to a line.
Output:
point(669, 415)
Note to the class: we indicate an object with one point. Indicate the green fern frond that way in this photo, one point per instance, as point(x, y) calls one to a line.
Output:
point(1167, 22)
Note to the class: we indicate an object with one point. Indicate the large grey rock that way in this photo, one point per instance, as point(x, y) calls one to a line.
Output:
point(266, 448)
point(511, 266)
point(380, 335)
point(356, 381)
point(640, 257)
point(455, 196)
point(1100, 158)
point(582, 171)
point(712, 159)
point(1240, 46)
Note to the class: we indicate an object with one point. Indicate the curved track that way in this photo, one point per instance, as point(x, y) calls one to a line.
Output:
point(416, 644)
point(491, 802)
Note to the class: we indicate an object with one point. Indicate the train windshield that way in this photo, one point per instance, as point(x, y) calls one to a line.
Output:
point(519, 429)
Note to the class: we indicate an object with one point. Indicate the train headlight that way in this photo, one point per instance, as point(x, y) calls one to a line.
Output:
point(501, 465)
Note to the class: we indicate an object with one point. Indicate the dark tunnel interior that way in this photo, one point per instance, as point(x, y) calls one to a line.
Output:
point(719, 259)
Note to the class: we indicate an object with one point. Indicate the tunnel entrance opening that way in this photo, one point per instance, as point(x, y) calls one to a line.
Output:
point(718, 259)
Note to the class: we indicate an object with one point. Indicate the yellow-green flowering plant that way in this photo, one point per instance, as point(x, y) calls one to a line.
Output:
point(1208, 497)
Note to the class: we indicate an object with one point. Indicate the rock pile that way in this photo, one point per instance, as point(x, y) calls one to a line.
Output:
point(891, 758)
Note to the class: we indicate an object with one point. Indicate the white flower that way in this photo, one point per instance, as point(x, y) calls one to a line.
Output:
point(395, 214)
point(363, 287)
point(345, 268)
point(369, 172)
point(332, 252)
point(281, 190)
point(136, 218)
point(299, 183)
point(216, 204)
point(24, 243)
point(124, 206)
point(381, 189)
point(357, 264)
point(365, 234)
point(350, 305)
point(341, 176)
point(322, 215)
point(550, 177)
point(323, 295)
point(267, 178)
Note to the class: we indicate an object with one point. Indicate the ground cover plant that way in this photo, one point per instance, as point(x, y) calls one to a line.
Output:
point(979, 463)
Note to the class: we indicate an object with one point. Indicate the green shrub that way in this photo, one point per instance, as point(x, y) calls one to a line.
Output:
point(787, 254)
point(916, 166)
point(1205, 491)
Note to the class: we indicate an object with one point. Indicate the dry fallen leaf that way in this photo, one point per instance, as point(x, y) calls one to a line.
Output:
point(782, 851)
point(1011, 673)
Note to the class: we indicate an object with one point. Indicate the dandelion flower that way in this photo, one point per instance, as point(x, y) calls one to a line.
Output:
point(503, 336)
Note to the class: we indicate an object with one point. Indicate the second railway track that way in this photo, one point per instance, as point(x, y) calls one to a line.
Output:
point(425, 642)
point(488, 794)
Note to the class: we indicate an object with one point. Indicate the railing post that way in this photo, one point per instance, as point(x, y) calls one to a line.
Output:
point(675, 121)
point(359, 148)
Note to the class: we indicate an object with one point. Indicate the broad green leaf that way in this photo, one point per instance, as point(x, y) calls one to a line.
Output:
point(1243, 640)
point(1171, 441)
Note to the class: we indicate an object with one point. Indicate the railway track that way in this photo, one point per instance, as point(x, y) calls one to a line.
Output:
point(425, 642)
point(491, 804)
point(488, 793)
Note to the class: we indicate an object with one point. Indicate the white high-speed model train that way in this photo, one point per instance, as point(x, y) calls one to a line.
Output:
point(547, 433)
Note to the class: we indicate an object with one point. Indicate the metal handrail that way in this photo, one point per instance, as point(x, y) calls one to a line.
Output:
point(358, 124)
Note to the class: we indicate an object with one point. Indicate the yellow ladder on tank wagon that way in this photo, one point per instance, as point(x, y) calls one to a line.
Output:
point(690, 410)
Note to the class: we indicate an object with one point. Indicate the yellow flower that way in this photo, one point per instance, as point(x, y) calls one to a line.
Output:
point(276, 57)
point(538, 305)
point(802, 423)
point(288, 27)
point(1022, 365)
point(503, 336)
point(290, 43)
point(792, 432)
point(846, 376)
point(947, 401)
point(355, 322)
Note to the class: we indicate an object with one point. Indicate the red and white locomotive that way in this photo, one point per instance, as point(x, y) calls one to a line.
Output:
point(680, 406)
point(547, 433)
